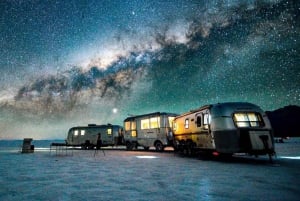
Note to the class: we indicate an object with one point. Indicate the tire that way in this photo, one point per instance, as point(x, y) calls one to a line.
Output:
point(128, 146)
point(159, 146)
point(190, 148)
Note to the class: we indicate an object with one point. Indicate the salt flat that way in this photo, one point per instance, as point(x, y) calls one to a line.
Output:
point(140, 175)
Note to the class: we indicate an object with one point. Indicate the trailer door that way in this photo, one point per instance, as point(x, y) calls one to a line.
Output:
point(109, 135)
point(130, 130)
point(204, 138)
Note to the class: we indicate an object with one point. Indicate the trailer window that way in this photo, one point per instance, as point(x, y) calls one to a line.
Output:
point(127, 125)
point(206, 120)
point(248, 119)
point(76, 132)
point(145, 124)
point(109, 131)
point(175, 126)
point(186, 123)
point(130, 125)
point(171, 119)
point(133, 133)
point(198, 121)
point(82, 132)
point(152, 122)
point(133, 125)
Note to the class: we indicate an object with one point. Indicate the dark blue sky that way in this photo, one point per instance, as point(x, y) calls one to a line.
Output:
point(68, 63)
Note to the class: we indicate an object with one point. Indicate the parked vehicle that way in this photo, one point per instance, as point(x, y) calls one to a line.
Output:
point(148, 130)
point(86, 136)
point(225, 128)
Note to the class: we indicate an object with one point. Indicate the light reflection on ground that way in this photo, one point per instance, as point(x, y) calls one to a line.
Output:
point(150, 157)
point(291, 157)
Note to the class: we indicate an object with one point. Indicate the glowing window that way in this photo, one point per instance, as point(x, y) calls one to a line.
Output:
point(76, 132)
point(247, 119)
point(186, 123)
point(82, 132)
point(254, 119)
point(206, 120)
point(154, 122)
point(133, 133)
point(109, 131)
point(133, 125)
point(175, 126)
point(145, 124)
point(127, 125)
point(171, 119)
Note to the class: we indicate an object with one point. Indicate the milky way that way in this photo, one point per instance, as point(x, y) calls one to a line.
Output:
point(72, 63)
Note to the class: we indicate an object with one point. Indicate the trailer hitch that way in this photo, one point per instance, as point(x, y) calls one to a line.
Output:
point(264, 139)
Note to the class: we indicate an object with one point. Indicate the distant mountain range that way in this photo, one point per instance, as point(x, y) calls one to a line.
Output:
point(285, 121)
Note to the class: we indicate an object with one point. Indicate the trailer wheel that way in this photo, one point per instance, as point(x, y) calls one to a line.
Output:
point(129, 146)
point(190, 148)
point(159, 146)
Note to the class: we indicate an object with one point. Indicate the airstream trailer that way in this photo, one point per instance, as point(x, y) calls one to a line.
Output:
point(148, 130)
point(86, 136)
point(225, 128)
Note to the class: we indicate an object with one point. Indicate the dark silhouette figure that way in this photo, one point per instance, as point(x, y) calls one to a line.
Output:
point(99, 144)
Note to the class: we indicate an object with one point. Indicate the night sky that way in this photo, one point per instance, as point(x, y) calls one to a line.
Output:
point(70, 63)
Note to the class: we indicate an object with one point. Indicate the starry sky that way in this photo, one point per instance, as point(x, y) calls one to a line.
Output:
point(70, 63)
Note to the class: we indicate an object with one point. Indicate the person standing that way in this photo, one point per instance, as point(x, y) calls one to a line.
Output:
point(99, 142)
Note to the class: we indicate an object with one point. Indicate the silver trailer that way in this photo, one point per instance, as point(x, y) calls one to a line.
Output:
point(224, 128)
point(149, 130)
point(86, 136)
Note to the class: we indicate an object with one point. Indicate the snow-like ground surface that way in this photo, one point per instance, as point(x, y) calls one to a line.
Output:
point(140, 175)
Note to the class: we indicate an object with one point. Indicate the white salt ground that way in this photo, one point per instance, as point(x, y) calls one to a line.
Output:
point(139, 175)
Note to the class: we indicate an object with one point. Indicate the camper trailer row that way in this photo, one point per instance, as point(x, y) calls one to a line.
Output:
point(146, 130)
point(223, 128)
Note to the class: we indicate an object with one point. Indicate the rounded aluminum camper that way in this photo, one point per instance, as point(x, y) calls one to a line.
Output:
point(233, 127)
point(86, 136)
